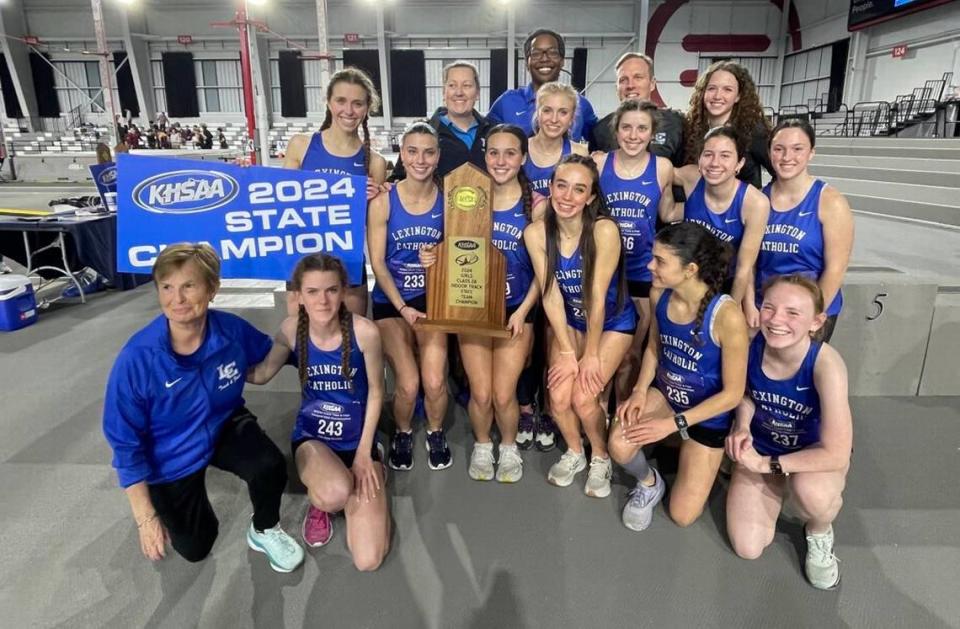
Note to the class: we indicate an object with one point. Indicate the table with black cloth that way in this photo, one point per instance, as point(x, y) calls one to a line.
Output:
point(61, 245)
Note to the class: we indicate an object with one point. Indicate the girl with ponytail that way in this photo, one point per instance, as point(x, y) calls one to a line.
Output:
point(577, 257)
point(339, 149)
point(691, 378)
point(493, 366)
point(399, 225)
point(340, 362)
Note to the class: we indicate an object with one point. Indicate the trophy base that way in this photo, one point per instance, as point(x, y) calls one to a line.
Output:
point(463, 327)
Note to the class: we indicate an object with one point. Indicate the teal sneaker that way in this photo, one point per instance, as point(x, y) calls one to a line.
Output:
point(283, 552)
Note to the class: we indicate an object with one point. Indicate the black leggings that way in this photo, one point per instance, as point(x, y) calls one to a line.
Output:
point(242, 449)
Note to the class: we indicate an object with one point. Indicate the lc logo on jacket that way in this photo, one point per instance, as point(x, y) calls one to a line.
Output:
point(228, 374)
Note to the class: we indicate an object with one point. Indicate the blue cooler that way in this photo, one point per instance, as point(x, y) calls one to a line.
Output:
point(18, 304)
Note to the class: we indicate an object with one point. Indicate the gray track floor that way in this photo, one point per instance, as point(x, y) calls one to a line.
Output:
point(464, 554)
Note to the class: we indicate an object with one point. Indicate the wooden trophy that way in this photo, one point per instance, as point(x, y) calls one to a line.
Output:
point(466, 287)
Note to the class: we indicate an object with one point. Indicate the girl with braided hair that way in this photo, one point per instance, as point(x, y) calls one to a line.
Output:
point(339, 149)
point(493, 366)
point(691, 378)
point(577, 257)
point(339, 359)
point(726, 95)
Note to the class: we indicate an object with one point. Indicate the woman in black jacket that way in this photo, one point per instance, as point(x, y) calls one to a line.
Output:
point(460, 128)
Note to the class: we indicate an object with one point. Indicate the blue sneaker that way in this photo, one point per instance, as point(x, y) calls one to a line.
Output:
point(283, 552)
point(401, 451)
point(440, 456)
point(90, 281)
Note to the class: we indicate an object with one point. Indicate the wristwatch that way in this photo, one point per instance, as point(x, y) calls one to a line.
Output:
point(775, 467)
point(682, 426)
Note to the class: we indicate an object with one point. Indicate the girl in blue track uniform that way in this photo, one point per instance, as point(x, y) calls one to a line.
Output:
point(399, 224)
point(810, 230)
point(636, 187)
point(340, 363)
point(339, 149)
point(732, 210)
point(793, 432)
point(493, 366)
point(691, 379)
point(576, 254)
point(556, 107)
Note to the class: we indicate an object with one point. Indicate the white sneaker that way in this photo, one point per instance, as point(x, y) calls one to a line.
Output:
point(822, 566)
point(598, 478)
point(638, 512)
point(510, 465)
point(481, 462)
point(563, 471)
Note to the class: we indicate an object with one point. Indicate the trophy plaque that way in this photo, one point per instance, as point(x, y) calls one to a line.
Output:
point(466, 287)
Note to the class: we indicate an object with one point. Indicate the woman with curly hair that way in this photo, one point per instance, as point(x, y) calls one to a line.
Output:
point(726, 95)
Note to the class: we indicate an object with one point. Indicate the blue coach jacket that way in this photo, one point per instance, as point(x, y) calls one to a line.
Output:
point(163, 411)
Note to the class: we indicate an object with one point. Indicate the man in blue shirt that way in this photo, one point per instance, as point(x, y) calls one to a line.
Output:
point(544, 51)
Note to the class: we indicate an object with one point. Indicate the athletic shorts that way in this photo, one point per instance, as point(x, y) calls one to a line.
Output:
point(708, 436)
point(347, 456)
point(638, 288)
point(528, 319)
point(387, 311)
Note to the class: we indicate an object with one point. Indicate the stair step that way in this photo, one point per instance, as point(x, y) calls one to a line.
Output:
point(891, 175)
point(935, 195)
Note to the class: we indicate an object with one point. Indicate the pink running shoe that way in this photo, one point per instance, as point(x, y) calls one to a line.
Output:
point(317, 528)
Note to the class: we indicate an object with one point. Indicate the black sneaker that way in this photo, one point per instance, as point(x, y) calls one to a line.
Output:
point(440, 457)
point(525, 430)
point(401, 451)
point(546, 435)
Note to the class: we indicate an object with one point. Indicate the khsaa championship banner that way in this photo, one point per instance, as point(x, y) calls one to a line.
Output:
point(261, 221)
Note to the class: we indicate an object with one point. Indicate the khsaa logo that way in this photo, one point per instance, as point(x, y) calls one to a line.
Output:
point(109, 176)
point(330, 407)
point(186, 192)
point(674, 377)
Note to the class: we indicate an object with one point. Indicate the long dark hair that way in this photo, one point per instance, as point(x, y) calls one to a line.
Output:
point(692, 242)
point(525, 193)
point(322, 262)
point(592, 212)
point(355, 76)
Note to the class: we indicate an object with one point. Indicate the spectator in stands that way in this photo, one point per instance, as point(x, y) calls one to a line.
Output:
point(726, 95)
point(176, 136)
point(810, 229)
point(103, 153)
point(222, 139)
point(133, 137)
point(460, 128)
point(174, 407)
point(163, 139)
point(152, 137)
point(162, 120)
point(207, 142)
point(544, 51)
point(121, 147)
point(636, 81)
point(197, 137)
point(122, 127)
